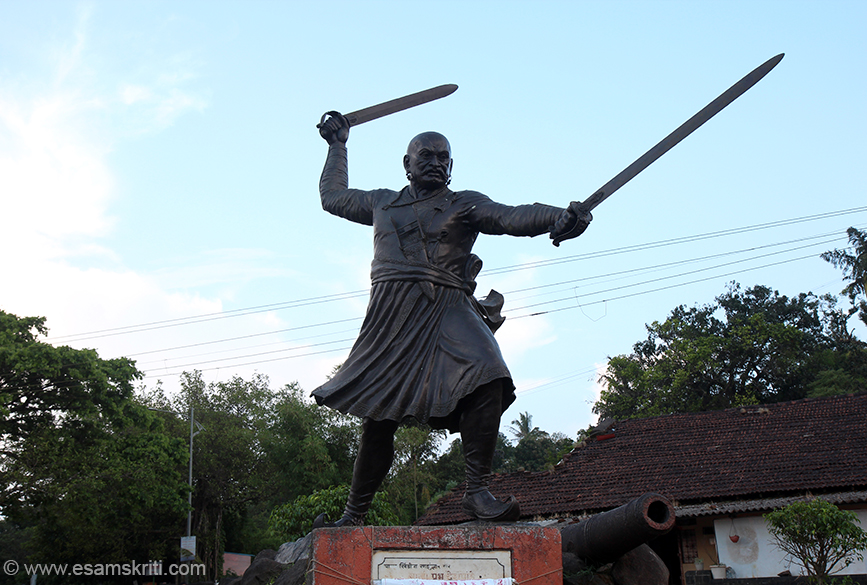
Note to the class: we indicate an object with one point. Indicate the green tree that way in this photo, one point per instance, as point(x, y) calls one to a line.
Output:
point(412, 480)
point(522, 427)
point(541, 451)
point(260, 448)
point(294, 519)
point(42, 385)
point(853, 262)
point(112, 495)
point(751, 346)
point(231, 471)
point(504, 456)
point(312, 447)
point(821, 538)
point(87, 474)
point(449, 468)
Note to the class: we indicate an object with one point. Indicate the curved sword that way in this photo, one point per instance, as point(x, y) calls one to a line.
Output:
point(684, 130)
point(395, 105)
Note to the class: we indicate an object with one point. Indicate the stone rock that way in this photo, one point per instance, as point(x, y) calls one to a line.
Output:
point(268, 553)
point(263, 569)
point(294, 575)
point(640, 566)
point(291, 552)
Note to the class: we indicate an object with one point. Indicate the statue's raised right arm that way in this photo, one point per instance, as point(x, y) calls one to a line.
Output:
point(337, 198)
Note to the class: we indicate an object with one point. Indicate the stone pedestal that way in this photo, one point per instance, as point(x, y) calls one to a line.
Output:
point(360, 555)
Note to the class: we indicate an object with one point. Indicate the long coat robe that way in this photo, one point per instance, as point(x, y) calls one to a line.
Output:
point(425, 342)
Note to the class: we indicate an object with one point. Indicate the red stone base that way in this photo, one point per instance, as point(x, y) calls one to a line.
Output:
point(342, 556)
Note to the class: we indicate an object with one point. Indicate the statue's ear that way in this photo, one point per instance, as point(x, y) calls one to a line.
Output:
point(406, 162)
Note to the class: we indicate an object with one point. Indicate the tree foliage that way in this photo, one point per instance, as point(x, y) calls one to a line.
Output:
point(71, 436)
point(259, 448)
point(523, 428)
point(750, 346)
point(541, 451)
point(312, 447)
point(820, 537)
point(42, 385)
point(114, 495)
point(295, 519)
point(853, 263)
point(412, 480)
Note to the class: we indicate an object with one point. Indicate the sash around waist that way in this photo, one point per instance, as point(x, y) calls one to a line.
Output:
point(408, 270)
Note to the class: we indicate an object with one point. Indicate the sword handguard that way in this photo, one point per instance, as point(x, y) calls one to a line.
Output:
point(580, 211)
point(333, 114)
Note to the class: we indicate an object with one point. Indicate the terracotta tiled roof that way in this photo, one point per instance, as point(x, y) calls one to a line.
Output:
point(784, 448)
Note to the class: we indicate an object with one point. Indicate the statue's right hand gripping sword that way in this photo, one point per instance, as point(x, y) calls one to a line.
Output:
point(685, 129)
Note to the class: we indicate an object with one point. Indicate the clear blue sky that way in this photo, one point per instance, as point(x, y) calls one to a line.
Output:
point(160, 161)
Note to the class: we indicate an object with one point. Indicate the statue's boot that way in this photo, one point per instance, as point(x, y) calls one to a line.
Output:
point(479, 426)
point(375, 455)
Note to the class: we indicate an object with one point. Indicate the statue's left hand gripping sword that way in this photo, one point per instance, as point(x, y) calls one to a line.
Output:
point(685, 129)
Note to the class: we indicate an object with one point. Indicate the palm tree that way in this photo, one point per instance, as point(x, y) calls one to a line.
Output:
point(523, 428)
point(854, 267)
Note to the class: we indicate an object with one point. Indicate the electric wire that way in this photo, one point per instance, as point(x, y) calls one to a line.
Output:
point(239, 337)
point(655, 268)
point(539, 313)
point(494, 271)
point(208, 317)
point(544, 286)
point(355, 294)
point(281, 342)
point(679, 275)
point(151, 371)
point(674, 241)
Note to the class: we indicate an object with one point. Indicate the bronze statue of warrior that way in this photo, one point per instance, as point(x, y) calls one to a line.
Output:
point(426, 348)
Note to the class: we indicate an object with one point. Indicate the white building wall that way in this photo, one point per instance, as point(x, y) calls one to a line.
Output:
point(756, 555)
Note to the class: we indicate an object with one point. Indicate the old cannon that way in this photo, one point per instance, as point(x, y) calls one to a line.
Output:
point(605, 537)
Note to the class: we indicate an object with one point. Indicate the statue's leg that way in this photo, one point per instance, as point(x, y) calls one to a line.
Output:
point(375, 454)
point(480, 426)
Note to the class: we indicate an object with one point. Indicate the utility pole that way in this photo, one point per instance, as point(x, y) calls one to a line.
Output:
point(193, 433)
point(193, 423)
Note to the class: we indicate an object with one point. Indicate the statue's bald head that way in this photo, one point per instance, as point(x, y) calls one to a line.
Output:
point(428, 160)
point(428, 139)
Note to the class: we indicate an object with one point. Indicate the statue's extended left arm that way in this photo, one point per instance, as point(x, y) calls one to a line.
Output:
point(530, 220)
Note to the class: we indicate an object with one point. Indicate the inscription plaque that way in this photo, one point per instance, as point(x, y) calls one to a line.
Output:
point(441, 565)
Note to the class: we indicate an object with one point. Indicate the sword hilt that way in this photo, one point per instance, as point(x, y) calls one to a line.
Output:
point(579, 209)
point(333, 114)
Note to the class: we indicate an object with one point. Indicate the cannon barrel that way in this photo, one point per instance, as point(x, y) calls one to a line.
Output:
point(606, 537)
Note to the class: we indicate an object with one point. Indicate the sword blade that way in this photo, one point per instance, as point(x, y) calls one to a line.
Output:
point(399, 104)
point(684, 130)
point(667, 143)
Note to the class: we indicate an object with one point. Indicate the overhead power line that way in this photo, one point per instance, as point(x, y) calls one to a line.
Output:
point(536, 313)
point(644, 292)
point(548, 286)
point(153, 325)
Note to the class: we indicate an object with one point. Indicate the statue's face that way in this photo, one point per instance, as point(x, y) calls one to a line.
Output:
point(429, 160)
